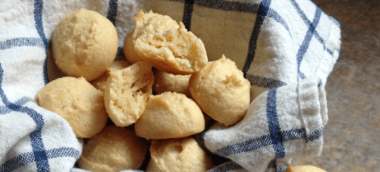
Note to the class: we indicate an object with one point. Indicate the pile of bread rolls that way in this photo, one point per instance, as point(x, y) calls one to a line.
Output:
point(161, 56)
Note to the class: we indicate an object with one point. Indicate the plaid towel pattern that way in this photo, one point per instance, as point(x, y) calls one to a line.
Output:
point(285, 48)
point(281, 124)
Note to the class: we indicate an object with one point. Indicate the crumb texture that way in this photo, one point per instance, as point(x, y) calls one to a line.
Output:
point(146, 23)
point(127, 92)
point(100, 83)
point(175, 51)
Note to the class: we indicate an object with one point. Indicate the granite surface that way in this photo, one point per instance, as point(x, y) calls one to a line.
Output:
point(352, 135)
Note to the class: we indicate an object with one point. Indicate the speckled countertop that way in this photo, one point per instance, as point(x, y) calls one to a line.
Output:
point(352, 135)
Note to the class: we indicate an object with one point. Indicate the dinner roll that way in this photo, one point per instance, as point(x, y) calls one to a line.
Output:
point(100, 83)
point(127, 92)
point(165, 82)
point(221, 91)
point(146, 23)
point(112, 150)
point(84, 43)
point(78, 102)
point(175, 51)
point(307, 168)
point(170, 115)
point(174, 155)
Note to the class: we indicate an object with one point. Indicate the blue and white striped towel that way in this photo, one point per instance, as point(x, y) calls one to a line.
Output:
point(286, 48)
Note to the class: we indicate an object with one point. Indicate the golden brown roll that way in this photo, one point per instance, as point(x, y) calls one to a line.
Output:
point(174, 51)
point(306, 168)
point(78, 102)
point(174, 155)
point(165, 82)
point(84, 43)
point(146, 23)
point(127, 92)
point(112, 150)
point(100, 83)
point(221, 91)
point(170, 115)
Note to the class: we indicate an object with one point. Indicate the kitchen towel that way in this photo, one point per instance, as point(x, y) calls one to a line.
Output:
point(285, 48)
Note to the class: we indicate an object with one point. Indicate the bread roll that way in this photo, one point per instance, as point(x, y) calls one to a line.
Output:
point(170, 115)
point(221, 91)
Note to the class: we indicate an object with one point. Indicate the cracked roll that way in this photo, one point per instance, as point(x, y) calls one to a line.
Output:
point(174, 155)
point(170, 115)
point(165, 82)
point(146, 23)
point(221, 91)
point(100, 83)
point(112, 150)
point(84, 43)
point(126, 93)
point(175, 50)
point(78, 102)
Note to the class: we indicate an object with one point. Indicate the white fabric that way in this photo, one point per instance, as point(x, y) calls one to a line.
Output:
point(284, 47)
point(300, 112)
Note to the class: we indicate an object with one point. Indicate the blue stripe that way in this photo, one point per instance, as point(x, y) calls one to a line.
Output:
point(238, 6)
point(304, 17)
point(308, 23)
point(302, 75)
point(26, 158)
point(329, 51)
point(4, 110)
point(17, 162)
point(187, 13)
point(229, 5)
point(256, 143)
point(63, 152)
point(306, 42)
point(264, 82)
point(274, 125)
point(246, 146)
point(19, 42)
point(261, 14)
point(314, 135)
point(35, 137)
point(274, 15)
point(112, 11)
point(38, 6)
point(120, 52)
point(22, 101)
point(262, 11)
point(296, 134)
point(228, 166)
